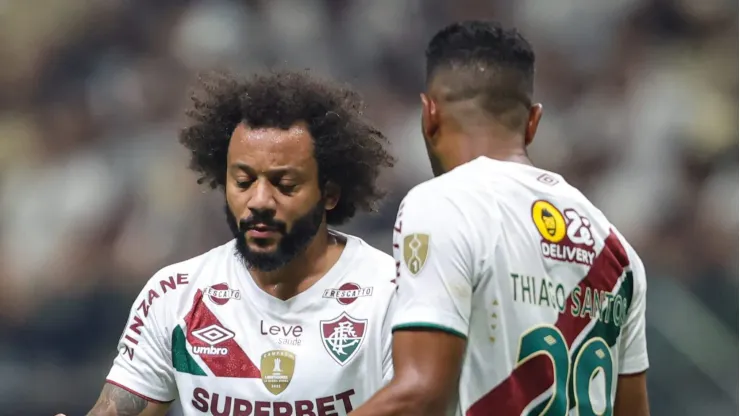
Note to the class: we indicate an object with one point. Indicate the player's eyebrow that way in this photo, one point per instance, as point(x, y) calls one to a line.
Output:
point(279, 171)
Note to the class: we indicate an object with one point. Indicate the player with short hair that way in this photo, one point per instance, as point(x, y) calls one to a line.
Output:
point(288, 318)
point(516, 296)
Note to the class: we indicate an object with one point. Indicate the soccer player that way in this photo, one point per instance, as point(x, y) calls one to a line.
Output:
point(516, 296)
point(288, 318)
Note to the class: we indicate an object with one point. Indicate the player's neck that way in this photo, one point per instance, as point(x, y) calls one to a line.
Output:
point(304, 270)
point(469, 146)
point(517, 155)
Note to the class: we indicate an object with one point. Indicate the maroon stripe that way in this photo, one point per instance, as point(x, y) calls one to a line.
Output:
point(236, 363)
point(533, 377)
point(604, 274)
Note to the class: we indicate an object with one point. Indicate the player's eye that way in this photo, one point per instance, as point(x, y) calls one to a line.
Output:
point(243, 184)
point(287, 188)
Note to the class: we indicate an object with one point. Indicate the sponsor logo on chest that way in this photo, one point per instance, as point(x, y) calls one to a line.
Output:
point(212, 335)
point(285, 334)
point(348, 293)
point(566, 236)
point(219, 403)
point(221, 293)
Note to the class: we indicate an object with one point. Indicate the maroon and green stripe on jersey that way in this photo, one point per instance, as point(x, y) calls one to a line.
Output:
point(182, 361)
point(533, 377)
point(602, 329)
point(235, 363)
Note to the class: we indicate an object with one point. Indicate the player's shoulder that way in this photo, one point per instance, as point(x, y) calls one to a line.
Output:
point(457, 198)
point(484, 179)
point(636, 266)
point(440, 193)
point(369, 263)
point(202, 266)
point(369, 271)
point(212, 258)
point(447, 186)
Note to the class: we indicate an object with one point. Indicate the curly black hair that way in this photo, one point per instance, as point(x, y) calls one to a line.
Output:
point(483, 60)
point(350, 152)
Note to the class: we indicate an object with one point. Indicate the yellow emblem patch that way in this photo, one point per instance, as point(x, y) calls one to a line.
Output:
point(415, 251)
point(549, 221)
point(277, 368)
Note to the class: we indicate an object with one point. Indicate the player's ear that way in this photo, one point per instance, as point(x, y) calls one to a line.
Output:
point(332, 192)
point(429, 117)
point(535, 114)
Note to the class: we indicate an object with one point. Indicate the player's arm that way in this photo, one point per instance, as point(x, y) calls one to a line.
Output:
point(632, 397)
point(141, 380)
point(427, 366)
point(116, 401)
point(433, 308)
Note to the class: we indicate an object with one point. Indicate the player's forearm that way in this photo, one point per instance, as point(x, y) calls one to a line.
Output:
point(397, 399)
point(632, 397)
point(115, 401)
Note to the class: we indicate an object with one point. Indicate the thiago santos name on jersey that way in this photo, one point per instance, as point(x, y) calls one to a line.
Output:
point(547, 293)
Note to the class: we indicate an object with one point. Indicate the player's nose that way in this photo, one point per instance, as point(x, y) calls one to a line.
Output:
point(262, 197)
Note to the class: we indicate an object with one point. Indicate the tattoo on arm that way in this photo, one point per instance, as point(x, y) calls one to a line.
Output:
point(115, 401)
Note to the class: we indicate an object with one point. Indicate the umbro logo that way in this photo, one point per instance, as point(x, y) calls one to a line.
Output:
point(547, 179)
point(212, 335)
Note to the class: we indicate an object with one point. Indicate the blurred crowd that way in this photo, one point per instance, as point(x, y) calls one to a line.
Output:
point(641, 105)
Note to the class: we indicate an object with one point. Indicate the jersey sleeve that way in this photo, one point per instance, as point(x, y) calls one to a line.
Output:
point(387, 341)
point(633, 351)
point(143, 365)
point(435, 266)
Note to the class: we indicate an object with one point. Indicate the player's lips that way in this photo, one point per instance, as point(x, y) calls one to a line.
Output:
point(262, 231)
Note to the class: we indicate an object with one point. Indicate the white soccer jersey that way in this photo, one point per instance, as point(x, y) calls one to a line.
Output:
point(204, 332)
point(550, 297)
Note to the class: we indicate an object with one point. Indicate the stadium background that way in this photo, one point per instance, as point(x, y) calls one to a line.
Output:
point(640, 102)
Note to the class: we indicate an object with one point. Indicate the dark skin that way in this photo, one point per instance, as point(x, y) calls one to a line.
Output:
point(269, 169)
point(632, 397)
point(427, 362)
point(282, 176)
point(115, 401)
point(458, 132)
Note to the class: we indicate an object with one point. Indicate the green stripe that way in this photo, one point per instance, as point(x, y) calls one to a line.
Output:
point(182, 361)
point(540, 407)
point(425, 325)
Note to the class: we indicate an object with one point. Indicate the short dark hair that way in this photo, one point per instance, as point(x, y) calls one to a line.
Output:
point(350, 152)
point(484, 61)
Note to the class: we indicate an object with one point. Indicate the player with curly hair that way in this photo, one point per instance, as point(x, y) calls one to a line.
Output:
point(516, 296)
point(288, 318)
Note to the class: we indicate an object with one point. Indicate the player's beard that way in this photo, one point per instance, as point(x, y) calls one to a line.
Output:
point(292, 243)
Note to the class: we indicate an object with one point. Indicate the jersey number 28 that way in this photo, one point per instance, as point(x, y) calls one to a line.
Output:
point(593, 356)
